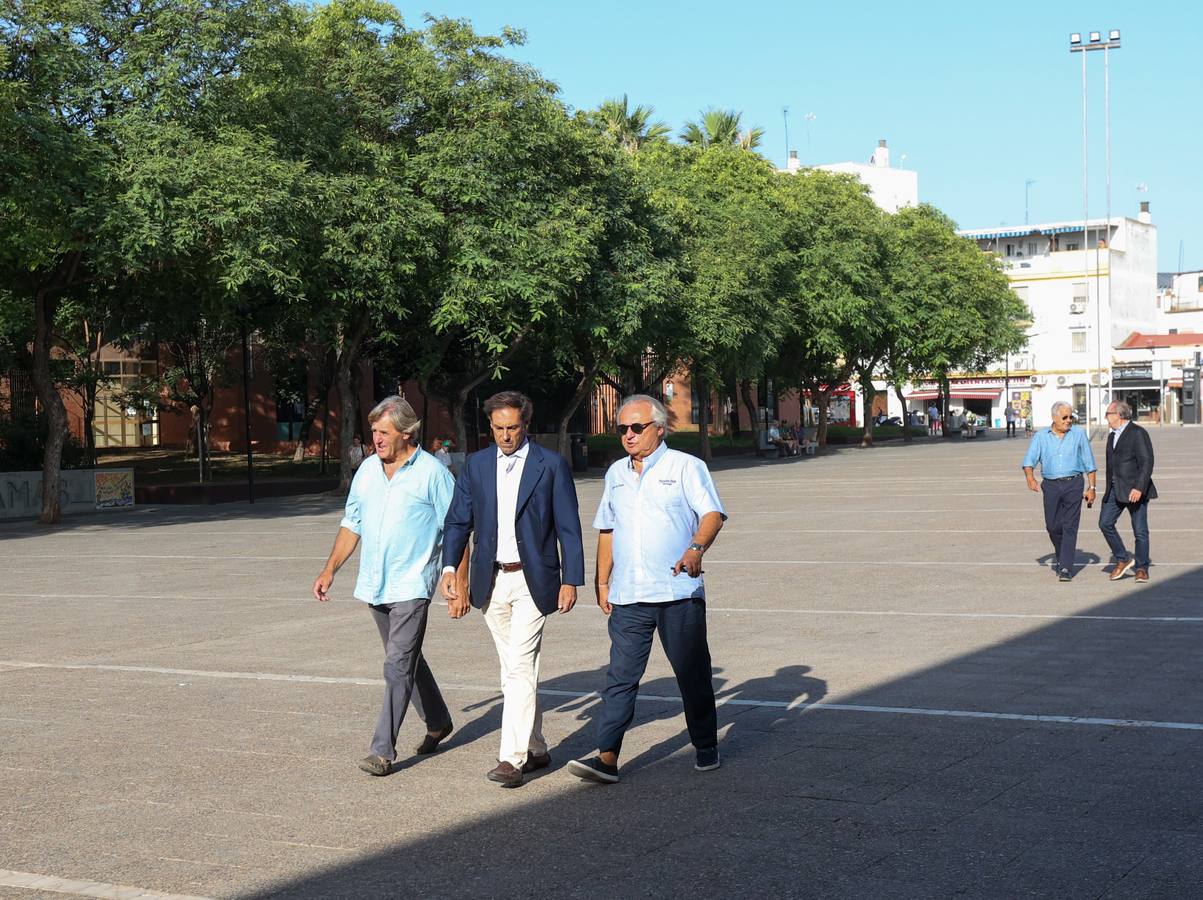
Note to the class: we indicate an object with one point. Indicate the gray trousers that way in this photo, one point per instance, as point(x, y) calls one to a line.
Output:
point(402, 627)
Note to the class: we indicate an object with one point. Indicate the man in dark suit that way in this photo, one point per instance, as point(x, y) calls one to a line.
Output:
point(519, 501)
point(1129, 486)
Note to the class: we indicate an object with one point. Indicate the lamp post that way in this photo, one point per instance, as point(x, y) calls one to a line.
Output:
point(1095, 41)
point(244, 314)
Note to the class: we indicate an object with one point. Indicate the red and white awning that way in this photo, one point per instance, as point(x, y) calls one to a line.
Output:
point(955, 394)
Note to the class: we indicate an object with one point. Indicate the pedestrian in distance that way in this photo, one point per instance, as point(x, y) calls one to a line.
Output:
point(933, 420)
point(1010, 414)
point(1066, 464)
point(1129, 486)
point(659, 513)
point(519, 501)
point(394, 514)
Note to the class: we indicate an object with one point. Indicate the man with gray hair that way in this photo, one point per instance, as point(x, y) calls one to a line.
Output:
point(395, 508)
point(1129, 486)
point(1066, 464)
point(658, 514)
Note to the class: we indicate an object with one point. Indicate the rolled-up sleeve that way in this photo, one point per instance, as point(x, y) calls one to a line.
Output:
point(700, 492)
point(604, 520)
point(1032, 457)
point(1085, 454)
point(352, 513)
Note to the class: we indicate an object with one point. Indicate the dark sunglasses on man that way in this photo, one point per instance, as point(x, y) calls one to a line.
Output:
point(636, 427)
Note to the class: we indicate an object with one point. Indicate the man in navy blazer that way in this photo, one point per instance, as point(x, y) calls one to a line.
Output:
point(519, 500)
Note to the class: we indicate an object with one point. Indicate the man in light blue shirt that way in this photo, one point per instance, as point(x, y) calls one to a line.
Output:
point(658, 514)
point(394, 513)
point(1066, 463)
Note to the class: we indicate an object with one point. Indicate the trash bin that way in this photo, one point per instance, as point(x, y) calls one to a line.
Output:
point(580, 453)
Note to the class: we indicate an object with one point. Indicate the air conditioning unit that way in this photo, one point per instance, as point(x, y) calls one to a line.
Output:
point(1099, 378)
point(1077, 308)
point(1036, 380)
point(1062, 381)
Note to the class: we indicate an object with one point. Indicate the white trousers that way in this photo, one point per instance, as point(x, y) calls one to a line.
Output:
point(517, 628)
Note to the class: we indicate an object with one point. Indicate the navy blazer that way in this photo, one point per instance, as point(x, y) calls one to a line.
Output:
point(1130, 465)
point(547, 512)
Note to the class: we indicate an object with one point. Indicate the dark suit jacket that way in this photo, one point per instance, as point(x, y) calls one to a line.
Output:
point(1130, 465)
point(546, 513)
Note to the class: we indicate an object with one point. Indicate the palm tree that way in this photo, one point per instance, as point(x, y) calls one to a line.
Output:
point(629, 128)
point(720, 128)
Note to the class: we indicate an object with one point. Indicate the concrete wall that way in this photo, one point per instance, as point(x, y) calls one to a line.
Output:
point(83, 490)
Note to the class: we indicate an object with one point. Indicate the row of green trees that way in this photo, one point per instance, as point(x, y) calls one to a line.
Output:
point(348, 187)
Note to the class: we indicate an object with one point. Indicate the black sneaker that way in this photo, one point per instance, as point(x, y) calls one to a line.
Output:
point(707, 760)
point(1065, 575)
point(593, 770)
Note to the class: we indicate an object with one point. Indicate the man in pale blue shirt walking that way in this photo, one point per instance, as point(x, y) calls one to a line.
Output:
point(658, 514)
point(1066, 464)
point(394, 513)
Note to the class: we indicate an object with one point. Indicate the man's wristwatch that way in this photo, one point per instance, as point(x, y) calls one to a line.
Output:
point(698, 547)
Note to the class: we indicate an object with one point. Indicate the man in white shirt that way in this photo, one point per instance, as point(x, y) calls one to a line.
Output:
point(519, 501)
point(658, 514)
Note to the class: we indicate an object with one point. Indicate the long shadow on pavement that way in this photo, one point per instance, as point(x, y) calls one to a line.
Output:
point(901, 792)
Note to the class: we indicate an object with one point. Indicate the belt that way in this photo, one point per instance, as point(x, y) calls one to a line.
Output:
point(508, 567)
point(1066, 478)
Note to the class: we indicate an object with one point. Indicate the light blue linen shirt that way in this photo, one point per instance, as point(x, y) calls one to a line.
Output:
point(400, 526)
point(654, 517)
point(1060, 456)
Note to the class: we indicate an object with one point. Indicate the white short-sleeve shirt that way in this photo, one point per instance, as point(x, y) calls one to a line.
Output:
point(654, 517)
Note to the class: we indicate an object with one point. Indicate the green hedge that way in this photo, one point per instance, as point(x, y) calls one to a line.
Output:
point(847, 434)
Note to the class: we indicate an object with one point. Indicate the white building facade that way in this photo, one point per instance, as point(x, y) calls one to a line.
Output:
point(1088, 288)
point(890, 187)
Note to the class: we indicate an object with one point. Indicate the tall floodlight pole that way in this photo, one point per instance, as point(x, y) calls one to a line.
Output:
point(785, 116)
point(1027, 184)
point(1077, 45)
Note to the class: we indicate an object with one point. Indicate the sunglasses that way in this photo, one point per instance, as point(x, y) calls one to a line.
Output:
point(636, 427)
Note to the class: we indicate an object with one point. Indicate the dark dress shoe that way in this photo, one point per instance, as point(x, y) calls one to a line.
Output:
point(430, 742)
point(1142, 574)
point(506, 775)
point(535, 762)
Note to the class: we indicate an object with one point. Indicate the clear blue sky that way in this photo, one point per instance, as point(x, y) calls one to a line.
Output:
point(980, 97)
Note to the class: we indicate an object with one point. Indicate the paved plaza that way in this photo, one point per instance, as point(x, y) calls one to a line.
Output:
point(913, 706)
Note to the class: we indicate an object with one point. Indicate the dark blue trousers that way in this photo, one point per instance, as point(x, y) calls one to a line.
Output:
point(682, 628)
point(1062, 513)
point(1139, 513)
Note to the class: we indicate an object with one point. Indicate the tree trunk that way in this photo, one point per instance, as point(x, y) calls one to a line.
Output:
point(322, 467)
point(868, 395)
point(89, 422)
point(202, 439)
point(583, 387)
point(907, 437)
point(703, 390)
point(53, 411)
point(731, 392)
point(946, 402)
point(745, 391)
point(348, 413)
point(822, 399)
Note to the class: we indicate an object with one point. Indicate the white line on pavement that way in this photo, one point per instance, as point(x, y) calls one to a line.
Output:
point(796, 703)
point(56, 885)
point(955, 615)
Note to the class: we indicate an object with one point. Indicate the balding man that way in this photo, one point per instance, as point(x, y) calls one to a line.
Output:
point(1066, 465)
point(1129, 486)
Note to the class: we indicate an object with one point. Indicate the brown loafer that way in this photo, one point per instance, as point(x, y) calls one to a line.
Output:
point(1142, 574)
point(375, 765)
point(1120, 569)
point(430, 742)
point(506, 775)
point(535, 762)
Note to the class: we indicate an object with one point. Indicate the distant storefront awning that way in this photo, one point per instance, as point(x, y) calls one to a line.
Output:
point(955, 394)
